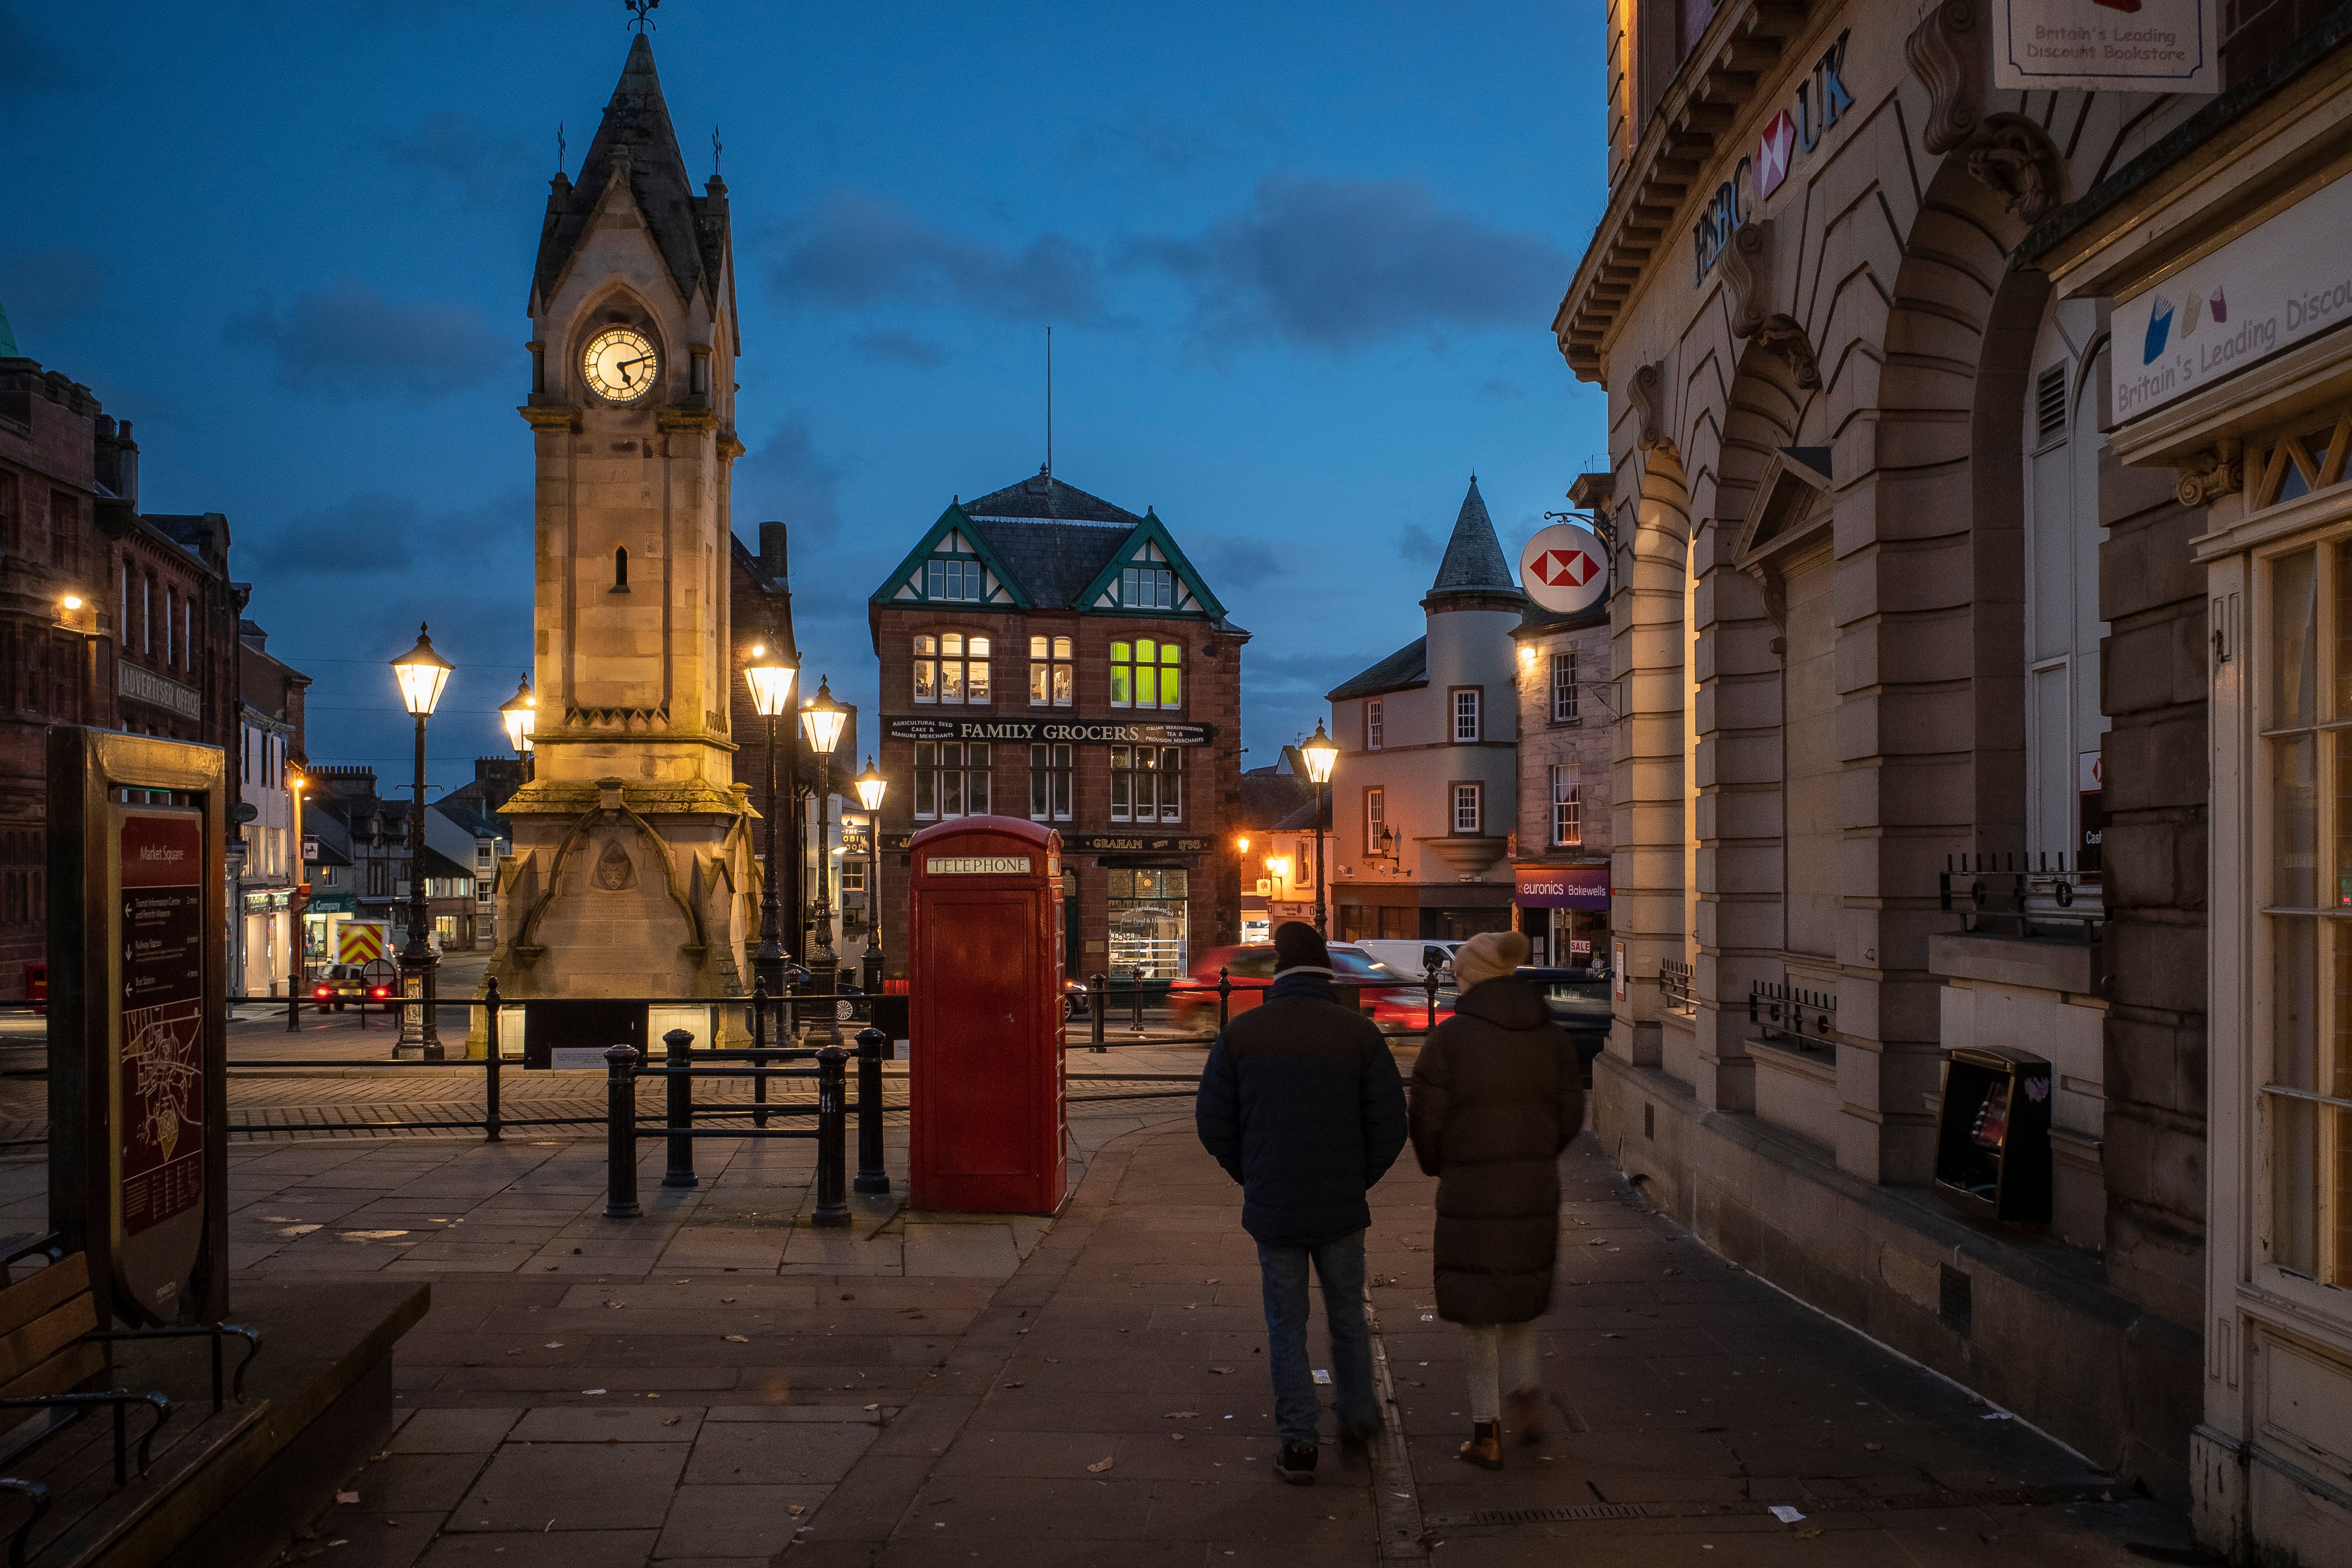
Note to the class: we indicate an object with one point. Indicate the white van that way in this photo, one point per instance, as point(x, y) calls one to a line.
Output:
point(1412, 956)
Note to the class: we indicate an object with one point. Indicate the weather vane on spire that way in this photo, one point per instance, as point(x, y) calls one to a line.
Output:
point(643, 8)
point(560, 150)
point(716, 147)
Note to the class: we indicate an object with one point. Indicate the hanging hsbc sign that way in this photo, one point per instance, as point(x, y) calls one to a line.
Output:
point(1822, 99)
point(1565, 569)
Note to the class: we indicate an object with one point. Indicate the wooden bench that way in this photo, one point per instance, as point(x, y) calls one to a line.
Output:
point(54, 1362)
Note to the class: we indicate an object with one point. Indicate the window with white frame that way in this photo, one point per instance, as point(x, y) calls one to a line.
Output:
point(1147, 784)
point(2305, 1112)
point(1376, 725)
point(1049, 784)
point(1147, 588)
point(1563, 686)
point(951, 669)
point(1147, 673)
point(1465, 714)
point(1376, 817)
point(951, 780)
point(1567, 811)
point(955, 579)
point(1468, 807)
point(1052, 680)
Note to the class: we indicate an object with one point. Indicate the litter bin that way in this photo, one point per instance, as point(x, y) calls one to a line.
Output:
point(1992, 1147)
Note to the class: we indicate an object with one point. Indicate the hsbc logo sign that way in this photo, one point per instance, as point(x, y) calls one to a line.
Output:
point(1822, 99)
point(1565, 569)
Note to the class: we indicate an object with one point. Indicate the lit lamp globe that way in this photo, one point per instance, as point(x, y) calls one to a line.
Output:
point(870, 786)
point(1320, 753)
point(822, 720)
point(520, 713)
point(770, 677)
point(422, 673)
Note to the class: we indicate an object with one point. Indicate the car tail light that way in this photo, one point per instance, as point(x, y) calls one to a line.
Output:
point(323, 993)
point(381, 992)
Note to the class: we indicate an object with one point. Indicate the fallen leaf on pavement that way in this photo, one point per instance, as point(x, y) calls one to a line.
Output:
point(1872, 1446)
point(1098, 1467)
point(347, 1496)
point(1178, 1414)
point(1014, 1384)
point(874, 1407)
point(796, 1508)
point(738, 1338)
point(672, 1420)
point(1221, 1371)
point(727, 1298)
point(555, 1344)
point(1808, 1533)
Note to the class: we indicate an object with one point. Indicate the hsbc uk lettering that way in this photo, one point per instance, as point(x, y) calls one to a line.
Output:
point(1822, 99)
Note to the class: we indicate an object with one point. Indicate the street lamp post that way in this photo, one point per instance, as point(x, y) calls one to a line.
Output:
point(820, 721)
point(770, 677)
point(422, 673)
point(1320, 753)
point(871, 786)
point(520, 714)
point(298, 904)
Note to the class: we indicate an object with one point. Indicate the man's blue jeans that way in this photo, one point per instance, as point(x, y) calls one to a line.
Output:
point(1340, 1264)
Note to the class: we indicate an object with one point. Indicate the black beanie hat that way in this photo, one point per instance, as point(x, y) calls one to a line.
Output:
point(1298, 946)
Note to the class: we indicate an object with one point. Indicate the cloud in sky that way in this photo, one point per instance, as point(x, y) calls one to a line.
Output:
point(1233, 559)
point(1172, 146)
point(784, 479)
point(489, 171)
point(855, 248)
point(1415, 542)
point(375, 532)
point(42, 288)
point(350, 341)
point(32, 65)
point(903, 347)
point(1337, 264)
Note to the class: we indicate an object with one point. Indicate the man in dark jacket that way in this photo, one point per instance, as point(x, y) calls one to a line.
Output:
point(1301, 1103)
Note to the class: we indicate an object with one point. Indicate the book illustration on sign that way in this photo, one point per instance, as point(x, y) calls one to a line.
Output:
point(2159, 328)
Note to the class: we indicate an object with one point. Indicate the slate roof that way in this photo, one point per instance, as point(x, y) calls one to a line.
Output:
point(689, 231)
point(1304, 820)
point(1473, 559)
point(1055, 538)
point(1538, 620)
point(1408, 666)
point(1268, 796)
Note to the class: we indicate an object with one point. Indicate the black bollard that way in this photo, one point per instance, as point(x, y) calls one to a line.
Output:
point(1135, 996)
point(1224, 998)
point(621, 1133)
point(1097, 999)
point(759, 1051)
point(1429, 984)
point(832, 1199)
point(871, 1176)
point(678, 1045)
point(491, 1120)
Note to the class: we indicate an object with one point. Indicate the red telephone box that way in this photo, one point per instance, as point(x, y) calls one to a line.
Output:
point(985, 1017)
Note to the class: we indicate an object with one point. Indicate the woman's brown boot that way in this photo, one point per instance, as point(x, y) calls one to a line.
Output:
point(1527, 1414)
point(1484, 1448)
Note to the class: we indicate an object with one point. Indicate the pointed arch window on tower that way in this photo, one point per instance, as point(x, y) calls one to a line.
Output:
point(621, 569)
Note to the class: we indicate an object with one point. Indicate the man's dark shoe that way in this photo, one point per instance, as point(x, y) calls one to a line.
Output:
point(1359, 1439)
point(1296, 1463)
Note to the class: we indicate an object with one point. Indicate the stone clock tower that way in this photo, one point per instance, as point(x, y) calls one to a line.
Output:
point(632, 873)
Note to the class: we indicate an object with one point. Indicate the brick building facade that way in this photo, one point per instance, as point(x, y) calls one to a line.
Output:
point(108, 618)
point(1048, 655)
point(1566, 744)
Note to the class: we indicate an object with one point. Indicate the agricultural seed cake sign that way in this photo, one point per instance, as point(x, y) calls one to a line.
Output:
point(2285, 282)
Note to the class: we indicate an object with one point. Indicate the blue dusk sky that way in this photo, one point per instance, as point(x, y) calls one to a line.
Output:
point(1300, 261)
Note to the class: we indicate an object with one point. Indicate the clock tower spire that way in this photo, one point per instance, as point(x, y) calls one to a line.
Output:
point(632, 875)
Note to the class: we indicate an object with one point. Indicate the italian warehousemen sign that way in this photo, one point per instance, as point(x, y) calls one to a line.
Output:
point(2289, 280)
point(2145, 45)
point(138, 1095)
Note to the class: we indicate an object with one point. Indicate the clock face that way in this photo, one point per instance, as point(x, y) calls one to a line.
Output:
point(620, 364)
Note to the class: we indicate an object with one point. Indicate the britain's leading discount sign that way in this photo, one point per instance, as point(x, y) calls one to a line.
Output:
point(1565, 568)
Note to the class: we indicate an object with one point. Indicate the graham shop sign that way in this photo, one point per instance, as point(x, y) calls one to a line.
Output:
point(2286, 281)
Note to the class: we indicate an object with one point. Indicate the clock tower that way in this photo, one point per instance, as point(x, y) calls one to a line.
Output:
point(632, 874)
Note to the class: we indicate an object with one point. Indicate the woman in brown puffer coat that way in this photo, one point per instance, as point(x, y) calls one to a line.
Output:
point(1497, 1092)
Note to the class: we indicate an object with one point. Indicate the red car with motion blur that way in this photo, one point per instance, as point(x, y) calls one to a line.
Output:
point(344, 984)
point(1379, 992)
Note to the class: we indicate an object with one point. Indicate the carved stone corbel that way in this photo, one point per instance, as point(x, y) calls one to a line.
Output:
point(2015, 157)
point(1647, 392)
point(2210, 476)
point(1781, 335)
point(1947, 51)
point(1747, 271)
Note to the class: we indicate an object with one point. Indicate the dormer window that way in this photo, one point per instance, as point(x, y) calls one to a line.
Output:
point(1147, 588)
point(956, 580)
point(1147, 673)
point(951, 669)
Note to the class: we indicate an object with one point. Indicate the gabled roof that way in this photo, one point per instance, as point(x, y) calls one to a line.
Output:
point(1149, 544)
point(1473, 559)
point(954, 534)
point(691, 235)
point(1046, 498)
point(1408, 666)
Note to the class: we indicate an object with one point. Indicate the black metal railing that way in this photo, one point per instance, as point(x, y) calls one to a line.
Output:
point(1674, 992)
point(1789, 1016)
point(2025, 896)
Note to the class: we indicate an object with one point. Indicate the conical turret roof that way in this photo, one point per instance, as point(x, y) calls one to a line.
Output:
point(7, 338)
point(691, 240)
point(1473, 559)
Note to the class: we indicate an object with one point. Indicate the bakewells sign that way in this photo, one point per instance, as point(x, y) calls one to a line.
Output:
point(2287, 280)
point(2145, 45)
point(1101, 731)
